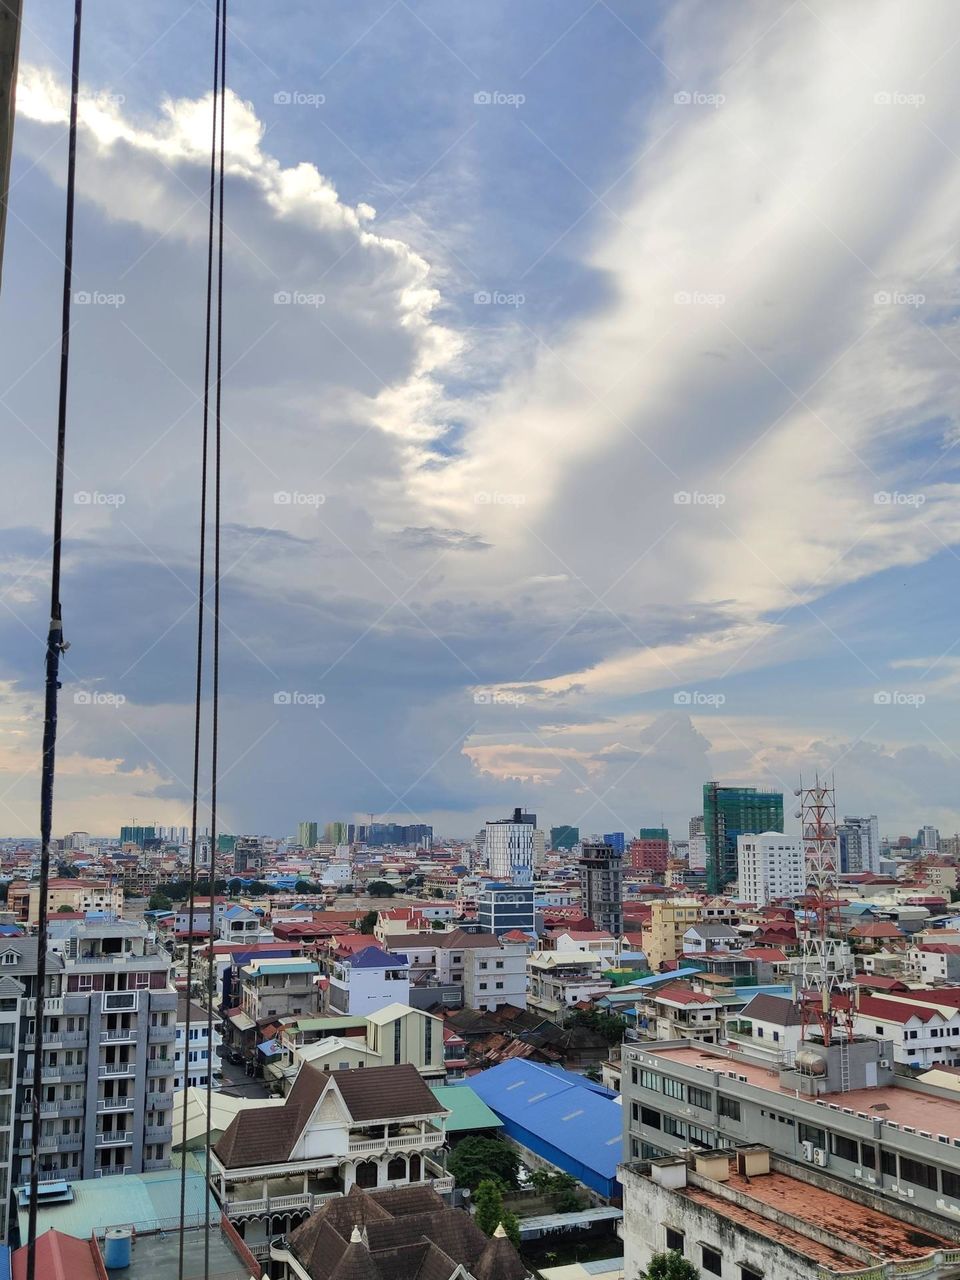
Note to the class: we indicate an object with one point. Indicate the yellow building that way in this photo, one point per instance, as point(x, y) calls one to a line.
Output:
point(663, 936)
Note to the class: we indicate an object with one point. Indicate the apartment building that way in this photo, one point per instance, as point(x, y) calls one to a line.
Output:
point(924, 1031)
point(559, 980)
point(679, 1012)
point(368, 980)
point(195, 1053)
point(839, 1108)
point(278, 988)
point(106, 896)
point(663, 933)
point(495, 976)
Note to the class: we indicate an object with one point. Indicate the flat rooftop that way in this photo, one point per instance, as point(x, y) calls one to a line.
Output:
point(158, 1255)
point(937, 1114)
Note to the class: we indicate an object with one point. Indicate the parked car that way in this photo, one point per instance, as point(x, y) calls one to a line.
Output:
point(236, 1057)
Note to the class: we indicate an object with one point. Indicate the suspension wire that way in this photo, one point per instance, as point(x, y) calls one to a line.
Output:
point(55, 646)
point(201, 605)
point(215, 707)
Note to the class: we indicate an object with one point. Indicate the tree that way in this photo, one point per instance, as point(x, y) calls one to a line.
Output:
point(608, 1026)
point(438, 893)
point(671, 1265)
point(380, 889)
point(64, 910)
point(368, 922)
point(560, 1189)
point(489, 1206)
point(159, 902)
point(478, 1159)
point(511, 1225)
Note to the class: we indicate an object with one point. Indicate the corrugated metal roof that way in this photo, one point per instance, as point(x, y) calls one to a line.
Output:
point(140, 1200)
point(467, 1109)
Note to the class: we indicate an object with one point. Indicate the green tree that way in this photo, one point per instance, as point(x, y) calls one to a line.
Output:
point(438, 893)
point(478, 1159)
point(560, 1189)
point(368, 922)
point(607, 1025)
point(489, 1206)
point(159, 901)
point(671, 1265)
point(511, 1225)
point(380, 889)
point(64, 910)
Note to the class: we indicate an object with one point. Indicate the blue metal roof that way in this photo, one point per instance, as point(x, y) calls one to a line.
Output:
point(560, 1116)
point(374, 958)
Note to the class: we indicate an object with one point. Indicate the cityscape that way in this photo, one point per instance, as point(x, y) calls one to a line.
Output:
point(479, 662)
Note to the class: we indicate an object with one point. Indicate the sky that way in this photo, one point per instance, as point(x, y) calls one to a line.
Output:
point(590, 411)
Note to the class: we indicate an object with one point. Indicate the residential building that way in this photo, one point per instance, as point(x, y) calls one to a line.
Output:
point(503, 907)
point(274, 1166)
point(277, 987)
point(650, 851)
point(564, 838)
point(769, 1026)
point(601, 886)
point(509, 847)
point(663, 933)
point(936, 961)
point(859, 840)
point(703, 939)
point(559, 980)
point(678, 1011)
point(407, 1234)
point(748, 1214)
point(195, 1053)
point(102, 896)
point(368, 980)
point(495, 976)
point(729, 812)
point(840, 1108)
point(770, 866)
point(923, 1032)
point(307, 835)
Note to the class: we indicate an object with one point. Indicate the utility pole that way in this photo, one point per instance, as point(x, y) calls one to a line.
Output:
point(10, 11)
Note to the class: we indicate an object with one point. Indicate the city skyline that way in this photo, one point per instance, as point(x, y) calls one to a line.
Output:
point(590, 430)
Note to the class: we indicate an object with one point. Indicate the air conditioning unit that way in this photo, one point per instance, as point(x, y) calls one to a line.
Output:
point(807, 1148)
point(858, 1173)
point(884, 1062)
point(820, 1157)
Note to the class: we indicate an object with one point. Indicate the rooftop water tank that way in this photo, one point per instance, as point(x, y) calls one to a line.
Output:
point(116, 1248)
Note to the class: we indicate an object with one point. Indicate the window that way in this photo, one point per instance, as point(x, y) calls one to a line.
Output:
point(888, 1163)
point(700, 1137)
point(728, 1107)
point(650, 1118)
point(951, 1183)
point(843, 1147)
point(868, 1155)
point(650, 1080)
point(809, 1133)
point(673, 1088)
point(915, 1171)
point(675, 1239)
point(699, 1098)
point(711, 1260)
point(748, 1273)
point(427, 1041)
point(397, 1032)
point(675, 1127)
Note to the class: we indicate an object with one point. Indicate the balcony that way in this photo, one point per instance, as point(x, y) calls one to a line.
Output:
point(160, 1100)
point(119, 1034)
point(402, 1142)
point(162, 1035)
point(150, 1165)
point(68, 1141)
point(158, 1133)
point(64, 1073)
point(277, 1204)
point(63, 1107)
point(53, 1038)
point(121, 1138)
point(116, 1104)
point(163, 1001)
point(112, 1172)
point(117, 1069)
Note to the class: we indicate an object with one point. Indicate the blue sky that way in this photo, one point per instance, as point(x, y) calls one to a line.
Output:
point(613, 419)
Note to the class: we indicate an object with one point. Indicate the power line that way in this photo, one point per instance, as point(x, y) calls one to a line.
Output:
point(55, 646)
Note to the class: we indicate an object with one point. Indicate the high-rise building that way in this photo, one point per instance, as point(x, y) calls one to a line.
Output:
point(729, 812)
point(137, 835)
point(650, 851)
point(563, 838)
point(928, 838)
point(502, 908)
point(307, 835)
point(509, 848)
point(770, 866)
point(248, 854)
point(601, 886)
point(617, 840)
point(335, 833)
point(859, 840)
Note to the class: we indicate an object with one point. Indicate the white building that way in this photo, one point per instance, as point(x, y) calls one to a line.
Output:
point(770, 866)
point(367, 981)
point(509, 844)
point(860, 844)
point(196, 1056)
point(495, 976)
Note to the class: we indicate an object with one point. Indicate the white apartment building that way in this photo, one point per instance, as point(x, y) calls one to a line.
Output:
point(195, 1056)
point(860, 844)
point(509, 845)
point(495, 976)
point(770, 866)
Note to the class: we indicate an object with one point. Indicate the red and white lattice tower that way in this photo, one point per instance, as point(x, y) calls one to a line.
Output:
point(826, 960)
